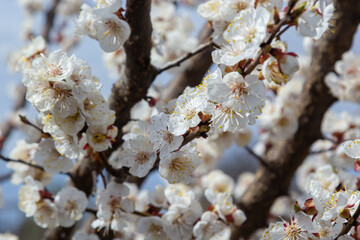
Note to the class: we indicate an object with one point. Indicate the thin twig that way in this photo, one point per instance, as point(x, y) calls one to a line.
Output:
point(282, 31)
point(22, 162)
point(103, 178)
point(113, 172)
point(24, 120)
point(321, 151)
point(49, 21)
point(261, 160)
point(92, 211)
point(143, 214)
point(177, 62)
point(5, 177)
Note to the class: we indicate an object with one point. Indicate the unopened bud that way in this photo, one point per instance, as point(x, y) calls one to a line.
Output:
point(297, 208)
point(311, 211)
point(345, 213)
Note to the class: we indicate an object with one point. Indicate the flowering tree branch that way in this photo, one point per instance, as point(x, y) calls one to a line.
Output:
point(131, 88)
point(138, 73)
point(287, 155)
point(264, 50)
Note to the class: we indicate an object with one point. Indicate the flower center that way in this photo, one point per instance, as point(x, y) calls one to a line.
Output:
point(176, 165)
point(98, 138)
point(55, 71)
point(292, 231)
point(239, 89)
point(142, 157)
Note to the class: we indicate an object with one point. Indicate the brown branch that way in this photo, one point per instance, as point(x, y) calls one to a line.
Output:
point(131, 88)
point(177, 62)
point(286, 156)
point(24, 120)
point(5, 177)
point(22, 162)
point(49, 21)
point(138, 73)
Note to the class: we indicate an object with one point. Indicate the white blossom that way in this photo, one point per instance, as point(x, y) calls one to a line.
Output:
point(209, 227)
point(179, 166)
point(163, 140)
point(139, 155)
point(249, 26)
point(152, 228)
point(111, 32)
point(29, 195)
point(71, 204)
point(49, 158)
point(46, 215)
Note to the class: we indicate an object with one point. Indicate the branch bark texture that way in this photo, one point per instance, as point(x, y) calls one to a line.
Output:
point(287, 156)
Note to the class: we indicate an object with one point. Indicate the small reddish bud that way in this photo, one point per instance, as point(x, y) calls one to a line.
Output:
point(152, 101)
point(230, 218)
point(357, 165)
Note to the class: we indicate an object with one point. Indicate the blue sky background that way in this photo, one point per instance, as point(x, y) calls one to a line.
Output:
point(11, 16)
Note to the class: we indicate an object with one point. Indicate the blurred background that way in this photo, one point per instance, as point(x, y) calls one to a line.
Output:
point(236, 160)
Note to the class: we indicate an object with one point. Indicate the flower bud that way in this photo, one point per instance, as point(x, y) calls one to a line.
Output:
point(289, 64)
point(344, 213)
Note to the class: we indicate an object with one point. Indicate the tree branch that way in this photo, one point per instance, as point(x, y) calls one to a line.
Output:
point(126, 92)
point(138, 73)
point(287, 156)
point(177, 62)
point(264, 50)
point(21, 161)
point(49, 21)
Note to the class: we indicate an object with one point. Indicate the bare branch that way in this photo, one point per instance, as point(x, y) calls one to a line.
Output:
point(49, 21)
point(5, 177)
point(21, 161)
point(287, 155)
point(177, 62)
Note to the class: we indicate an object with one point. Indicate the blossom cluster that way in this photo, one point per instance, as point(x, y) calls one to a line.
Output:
point(105, 23)
point(256, 77)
